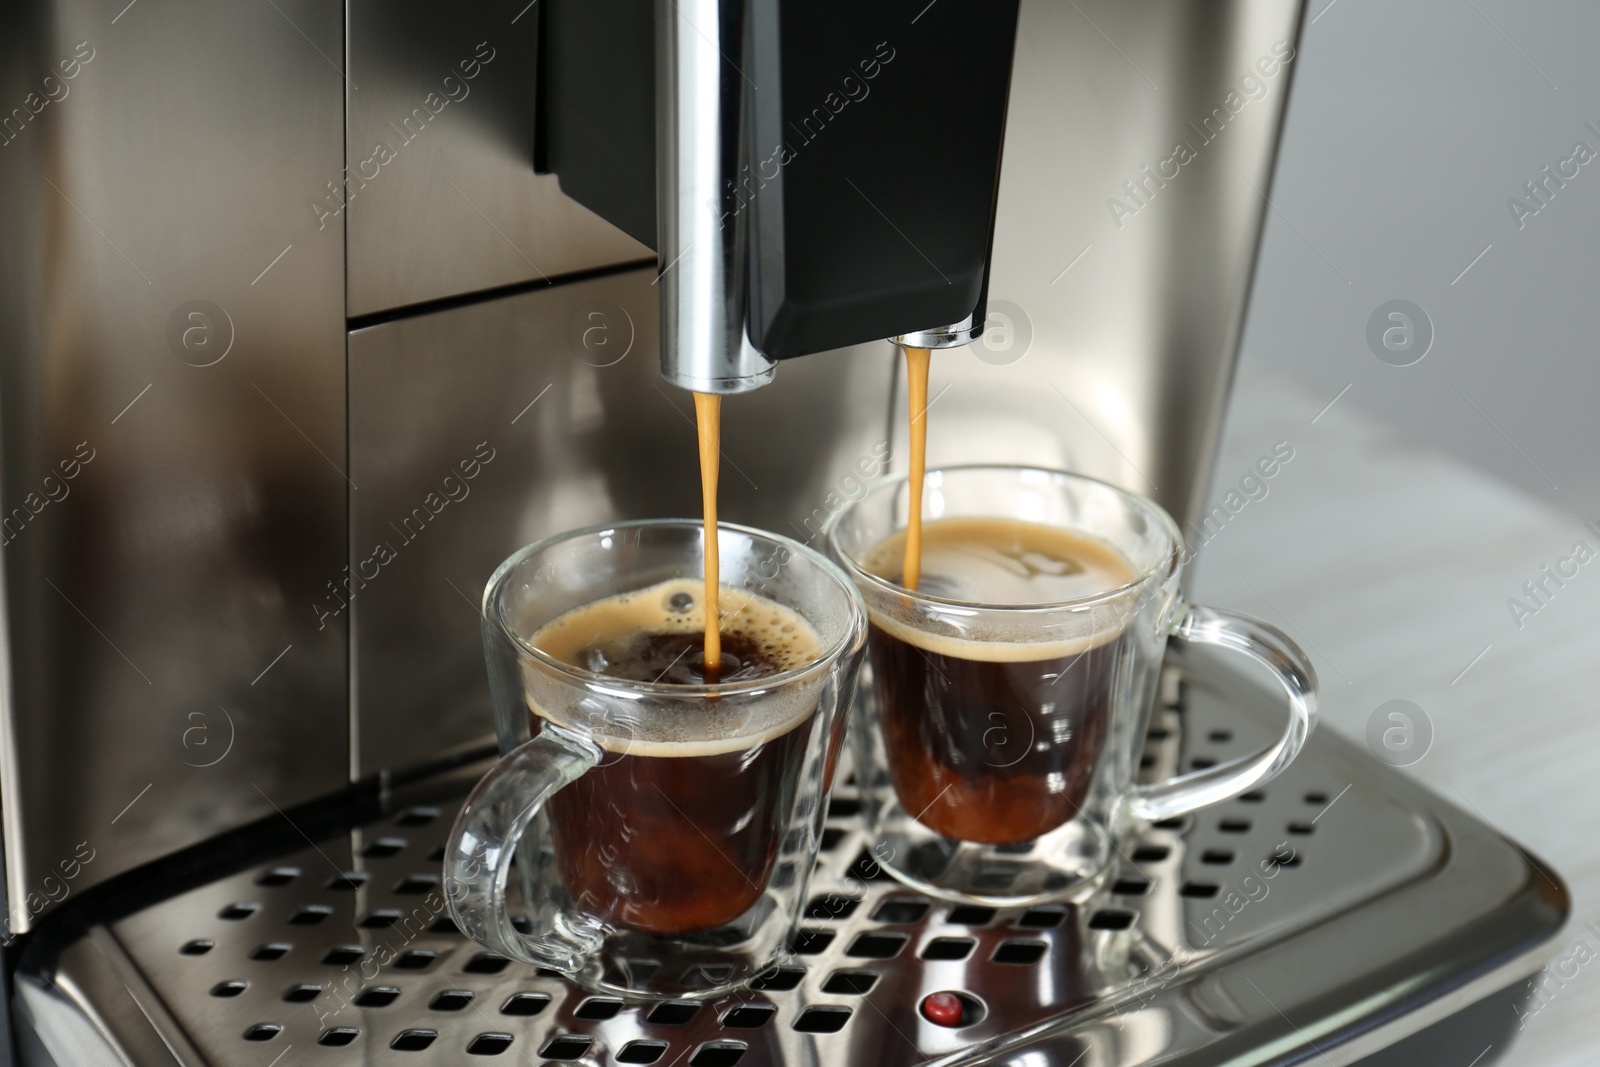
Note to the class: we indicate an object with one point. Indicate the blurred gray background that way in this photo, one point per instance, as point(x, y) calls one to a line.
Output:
point(1423, 496)
point(1410, 127)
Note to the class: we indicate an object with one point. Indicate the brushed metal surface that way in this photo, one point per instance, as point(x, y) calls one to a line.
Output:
point(1367, 934)
point(702, 116)
point(1134, 319)
point(442, 197)
point(561, 388)
point(172, 471)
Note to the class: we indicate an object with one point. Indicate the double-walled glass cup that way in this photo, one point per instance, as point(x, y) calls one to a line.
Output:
point(999, 743)
point(663, 834)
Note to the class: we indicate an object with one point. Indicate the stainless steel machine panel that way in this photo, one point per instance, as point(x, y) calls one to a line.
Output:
point(480, 429)
point(172, 405)
point(1138, 157)
point(442, 197)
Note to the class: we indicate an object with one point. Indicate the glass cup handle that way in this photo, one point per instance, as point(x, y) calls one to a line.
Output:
point(483, 846)
point(1288, 664)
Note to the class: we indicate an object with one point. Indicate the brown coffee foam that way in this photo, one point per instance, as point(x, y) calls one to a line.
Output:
point(982, 561)
point(988, 650)
point(709, 726)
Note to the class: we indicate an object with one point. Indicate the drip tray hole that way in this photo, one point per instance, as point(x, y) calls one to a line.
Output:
point(489, 1044)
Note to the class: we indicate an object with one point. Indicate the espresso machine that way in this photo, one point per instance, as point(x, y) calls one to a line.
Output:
point(311, 313)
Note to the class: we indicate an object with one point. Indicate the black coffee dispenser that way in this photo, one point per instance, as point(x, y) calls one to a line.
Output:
point(812, 175)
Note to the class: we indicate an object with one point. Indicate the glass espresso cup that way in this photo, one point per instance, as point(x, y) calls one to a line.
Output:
point(663, 832)
point(1001, 737)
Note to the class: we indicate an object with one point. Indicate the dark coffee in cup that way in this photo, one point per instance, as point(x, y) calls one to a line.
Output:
point(994, 738)
point(679, 835)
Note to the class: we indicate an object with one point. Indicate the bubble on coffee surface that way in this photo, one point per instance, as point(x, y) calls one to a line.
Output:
point(594, 659)
point(657, 635)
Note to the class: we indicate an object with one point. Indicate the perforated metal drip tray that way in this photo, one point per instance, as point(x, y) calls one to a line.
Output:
point(1333, 909)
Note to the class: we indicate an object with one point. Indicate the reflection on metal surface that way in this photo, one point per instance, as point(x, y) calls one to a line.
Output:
point(339, 951)
point(442, 197)
point(953, 336)
point(481, 429)
point(169, 513)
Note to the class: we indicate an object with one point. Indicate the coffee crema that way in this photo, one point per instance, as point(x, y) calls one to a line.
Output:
point(677, 831)
point(649, 636)
point(996, 741)
point(1004, 562)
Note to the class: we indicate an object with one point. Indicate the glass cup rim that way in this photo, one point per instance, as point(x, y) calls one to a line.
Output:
point(1162, 569)
point(822, 664)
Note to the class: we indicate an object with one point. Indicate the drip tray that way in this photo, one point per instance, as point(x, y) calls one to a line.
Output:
point(1327, 916)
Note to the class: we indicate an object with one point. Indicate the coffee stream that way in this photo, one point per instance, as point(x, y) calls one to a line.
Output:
point(917, 404)
point(708, 421)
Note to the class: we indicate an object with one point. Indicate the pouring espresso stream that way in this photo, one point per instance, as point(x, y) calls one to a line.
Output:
point(708, 423)
point(917, 404)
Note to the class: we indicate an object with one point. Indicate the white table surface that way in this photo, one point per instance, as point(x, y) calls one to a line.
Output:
point(1392, 565)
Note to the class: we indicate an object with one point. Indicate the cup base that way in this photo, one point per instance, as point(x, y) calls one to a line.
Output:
point(1069, 863)
point(650, 968)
